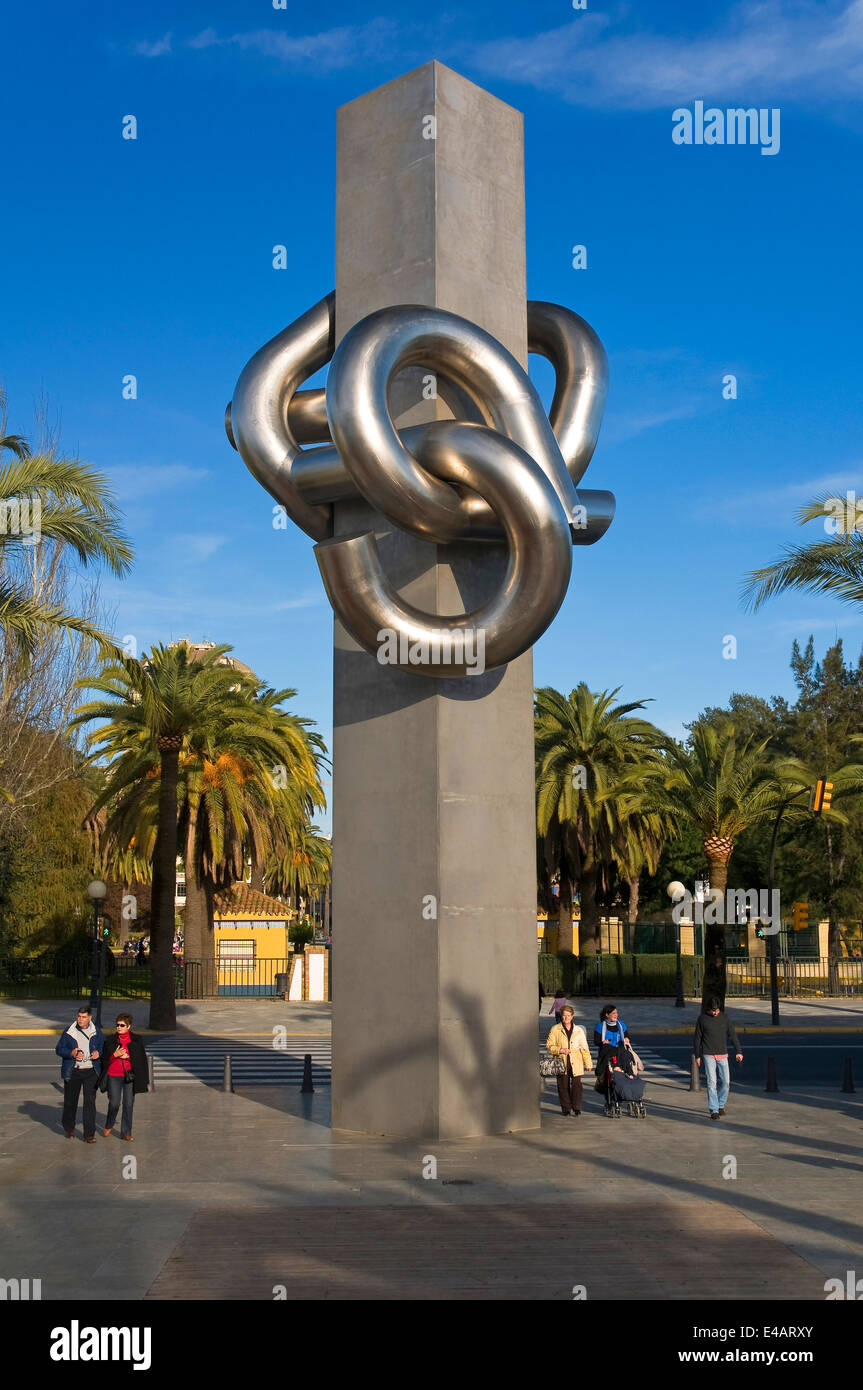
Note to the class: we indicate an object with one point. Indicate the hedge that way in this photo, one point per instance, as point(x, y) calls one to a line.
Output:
point(615, 974)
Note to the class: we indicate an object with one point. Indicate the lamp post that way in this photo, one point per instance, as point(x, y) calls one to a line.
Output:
point(96, 892)
point(675, 892)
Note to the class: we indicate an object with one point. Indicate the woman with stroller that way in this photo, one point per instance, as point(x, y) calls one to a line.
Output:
point(618, 1065)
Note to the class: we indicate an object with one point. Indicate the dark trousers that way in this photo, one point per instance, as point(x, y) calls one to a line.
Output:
point(569, 1090)
point(120, 1090)
point(78, 1081)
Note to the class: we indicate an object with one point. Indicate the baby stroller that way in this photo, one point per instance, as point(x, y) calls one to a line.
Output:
point(618, 1081)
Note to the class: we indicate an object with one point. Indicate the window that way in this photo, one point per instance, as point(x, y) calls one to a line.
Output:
point(236, 953)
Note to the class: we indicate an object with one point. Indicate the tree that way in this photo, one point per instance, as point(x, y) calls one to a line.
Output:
point(303, 865)
point(720, 786)
point(152, 707)
point(588, 750)
point(46, 498)
point(833, 566)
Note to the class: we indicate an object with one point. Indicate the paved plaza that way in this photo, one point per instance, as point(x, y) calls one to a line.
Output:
point(235, 1195)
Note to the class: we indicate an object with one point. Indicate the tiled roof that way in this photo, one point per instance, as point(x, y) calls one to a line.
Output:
point(241, 900)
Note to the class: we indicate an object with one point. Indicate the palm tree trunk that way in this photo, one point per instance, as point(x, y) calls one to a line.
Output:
point(194, 916)
point(163, 1009)
point(715, 974)
point(633, 884)
point(257, 875)
point(209, 964)
point(588, 928)
point(564, 916)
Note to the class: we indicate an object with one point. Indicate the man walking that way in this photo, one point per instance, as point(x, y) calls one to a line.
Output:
point(713, 1032)
point(81, 1050)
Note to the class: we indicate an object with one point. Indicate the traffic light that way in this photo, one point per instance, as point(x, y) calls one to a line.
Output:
point(106, 931)
point(759, 930)
point(821, 796)
point(801, 916)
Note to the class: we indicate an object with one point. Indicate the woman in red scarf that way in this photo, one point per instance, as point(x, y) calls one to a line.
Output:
point(124, 1074)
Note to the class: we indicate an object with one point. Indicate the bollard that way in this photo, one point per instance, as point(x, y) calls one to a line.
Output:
point(694, 1078)
point(307, 1088)
point(227, 1080)
point(848, 1076)
point(151, 1070)
point(772, 1084)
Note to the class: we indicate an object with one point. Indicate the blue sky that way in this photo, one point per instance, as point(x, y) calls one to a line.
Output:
point(154, 257)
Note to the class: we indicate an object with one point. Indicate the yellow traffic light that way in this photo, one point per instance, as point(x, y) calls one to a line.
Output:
point(801, 916)
point(821, 796)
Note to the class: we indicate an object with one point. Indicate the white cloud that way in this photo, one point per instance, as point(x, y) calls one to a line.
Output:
point(776, 507)
point(133, 481)
point(154, 50)
point(763, 51)
point(196, 547)
point(327, 51)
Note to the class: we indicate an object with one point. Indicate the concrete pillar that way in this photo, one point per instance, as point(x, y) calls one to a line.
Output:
point(434, 890)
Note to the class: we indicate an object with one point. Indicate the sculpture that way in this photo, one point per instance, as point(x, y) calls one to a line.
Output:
point(501, 469)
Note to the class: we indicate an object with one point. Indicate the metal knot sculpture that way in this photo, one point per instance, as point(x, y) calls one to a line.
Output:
point(500, 470)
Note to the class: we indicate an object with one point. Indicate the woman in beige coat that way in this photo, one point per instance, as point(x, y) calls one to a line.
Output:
point(567, 1039)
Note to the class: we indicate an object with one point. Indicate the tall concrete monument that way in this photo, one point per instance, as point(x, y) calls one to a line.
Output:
point(444, 506)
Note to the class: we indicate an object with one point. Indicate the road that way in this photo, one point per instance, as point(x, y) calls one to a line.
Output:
point(814, 1059)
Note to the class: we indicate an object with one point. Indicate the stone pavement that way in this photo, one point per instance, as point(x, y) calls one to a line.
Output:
point(256, 1017)
point(232, 1194)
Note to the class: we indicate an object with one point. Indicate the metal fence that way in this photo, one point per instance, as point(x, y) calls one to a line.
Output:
point(225, 977)
point(44, 977)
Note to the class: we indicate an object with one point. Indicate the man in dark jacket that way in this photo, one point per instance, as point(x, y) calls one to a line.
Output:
point(81, 1050)
point(713, 1032)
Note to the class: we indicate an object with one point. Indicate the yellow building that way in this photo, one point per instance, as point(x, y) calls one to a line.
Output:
point(250, 928)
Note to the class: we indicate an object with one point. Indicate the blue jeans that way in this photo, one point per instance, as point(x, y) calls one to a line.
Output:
point(716, 1067)
point(120, 1091)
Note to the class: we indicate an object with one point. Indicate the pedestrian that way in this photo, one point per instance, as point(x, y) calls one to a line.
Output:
point(610, 1028)
point(81, 1050)
point(541, 996)
point(713, 1032)
point(557, 1004)
point(567, 1039)
point(125, 1074)
point(141, 954)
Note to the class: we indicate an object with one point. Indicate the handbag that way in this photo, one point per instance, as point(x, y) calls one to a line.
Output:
point(552, 1066)
point(103, 1080)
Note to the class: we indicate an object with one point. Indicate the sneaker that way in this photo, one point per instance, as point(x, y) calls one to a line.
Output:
point(89, 1138)
point(576, 1112)
point(70, 1133)
point(714, 1114)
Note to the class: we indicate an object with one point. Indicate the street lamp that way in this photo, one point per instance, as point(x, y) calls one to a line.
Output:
point(96, 892)
point(676, 892)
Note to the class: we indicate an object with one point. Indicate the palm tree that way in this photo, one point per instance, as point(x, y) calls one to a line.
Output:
point(833, 566)
point(242, 787)
point(587, 752)
point(152, 707)
point(305, 864)
point(65, 502)
point(721, 787)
